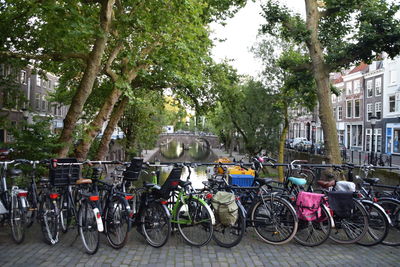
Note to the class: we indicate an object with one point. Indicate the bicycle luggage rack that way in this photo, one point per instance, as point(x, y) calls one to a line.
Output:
point(64, 175)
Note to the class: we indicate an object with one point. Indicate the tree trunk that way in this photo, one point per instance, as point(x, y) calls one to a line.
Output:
point(281, 154)
point(112, 123)
point(96, 125)
point(86, 84)
point(321, 75)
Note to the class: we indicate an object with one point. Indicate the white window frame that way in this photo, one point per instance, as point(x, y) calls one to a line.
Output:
point(378, 86)
point(340, 113)
point(389, 96)
point(349, 88)
point(369, 87)
point(38, 80)
point(369, 110)
point(357, 86)
point(378, 108)
point(393, 76)
point(359, 108)
point(347, 109)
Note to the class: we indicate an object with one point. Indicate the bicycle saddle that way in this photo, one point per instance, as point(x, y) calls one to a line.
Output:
point(297, 181)
point(263, 181)
point(43, 180)
point(148, 185)
point(83, 181)
point(371, 181)
point(15, 172)
point(326, 184)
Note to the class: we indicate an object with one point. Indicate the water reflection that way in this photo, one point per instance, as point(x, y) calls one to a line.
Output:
point(175, 151)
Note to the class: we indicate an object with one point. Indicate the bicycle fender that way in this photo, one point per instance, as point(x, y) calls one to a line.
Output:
point(379, 208)
point(389, 198)
point(207, 207)
point(128, 208)
point(166, 210)
point(242, 209)
point(329, 214)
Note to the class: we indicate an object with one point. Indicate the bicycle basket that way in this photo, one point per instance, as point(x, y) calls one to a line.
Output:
point(63, 175)
point(132, 173)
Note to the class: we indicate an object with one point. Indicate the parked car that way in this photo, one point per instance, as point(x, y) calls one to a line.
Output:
point(304, 146)
point(297, 140)
point(288, 143)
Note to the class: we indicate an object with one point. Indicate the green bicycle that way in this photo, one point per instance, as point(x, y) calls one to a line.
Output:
point(190, 214)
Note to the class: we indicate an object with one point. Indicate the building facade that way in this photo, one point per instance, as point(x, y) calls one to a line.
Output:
point(28, 97)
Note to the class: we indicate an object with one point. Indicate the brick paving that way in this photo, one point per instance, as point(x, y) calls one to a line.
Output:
point(250, 252)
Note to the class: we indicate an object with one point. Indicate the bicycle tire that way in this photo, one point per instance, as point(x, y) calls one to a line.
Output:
point(31, 213)
point(187, 214)
point(392, 208)
point(342, 233)
point(155, 218)
point(17, 220)
point(378, 225)
point(221, 232)
point(65, 214)
point(49, 221)
point(274, 220)
point(88, 228)
point(314, 233)
point(116, 216)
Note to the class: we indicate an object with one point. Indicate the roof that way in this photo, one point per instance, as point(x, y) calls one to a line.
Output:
point(363, 66)
point(338, 80)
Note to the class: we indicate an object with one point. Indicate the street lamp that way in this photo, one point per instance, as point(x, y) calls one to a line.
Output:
point(373, 122)
point(313, 124)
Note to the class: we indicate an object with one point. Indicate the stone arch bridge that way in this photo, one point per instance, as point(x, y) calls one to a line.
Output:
point(188, 138)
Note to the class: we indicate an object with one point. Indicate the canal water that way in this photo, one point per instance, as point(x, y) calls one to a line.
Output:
point(175, 151)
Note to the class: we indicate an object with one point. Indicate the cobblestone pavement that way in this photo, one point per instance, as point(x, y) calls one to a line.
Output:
point(250, 252)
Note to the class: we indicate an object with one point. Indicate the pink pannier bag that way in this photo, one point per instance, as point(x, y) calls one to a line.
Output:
point(308, 206)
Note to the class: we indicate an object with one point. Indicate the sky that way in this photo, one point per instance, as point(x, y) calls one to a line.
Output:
point(240, 33)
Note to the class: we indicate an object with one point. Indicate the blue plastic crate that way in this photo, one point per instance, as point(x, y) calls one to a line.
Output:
point(241, 179)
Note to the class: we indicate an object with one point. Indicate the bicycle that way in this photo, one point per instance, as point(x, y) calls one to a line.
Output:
point(190, 214)
point(13, 203)
point(388, 201)
point(84, 209)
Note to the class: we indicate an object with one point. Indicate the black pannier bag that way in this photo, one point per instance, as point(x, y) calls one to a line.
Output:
point(132, 172)
point(341, 203)
point(64, 175)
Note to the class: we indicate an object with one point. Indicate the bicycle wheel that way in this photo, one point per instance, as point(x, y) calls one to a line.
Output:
point(156, 224)
point(49, 221)
point(88, 228)
point(194, 220)
point(65, 214)
point(274, 220)
point(116, 223)
point(392, 208)
point(17, 219)
point(231, 235)
point(314, 233)
point(378, 225)
point(350, 229)
point(32, 208)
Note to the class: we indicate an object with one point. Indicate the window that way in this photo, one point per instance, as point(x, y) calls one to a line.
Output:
point(357, 108)
point(44, 103)
point(23, 77)
point(369, 111)
point(340, 113)
point(349, 109)
point(378, 110)
point(356, 135)
point(378, 86)
point(393, 76)
point(334, 113)
point(397, 102)
point(348, 88)
point(357, 86)
point(37, 101)
point(369, 88)
point(392, 103)
point(44, 83)
point(38, 80)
